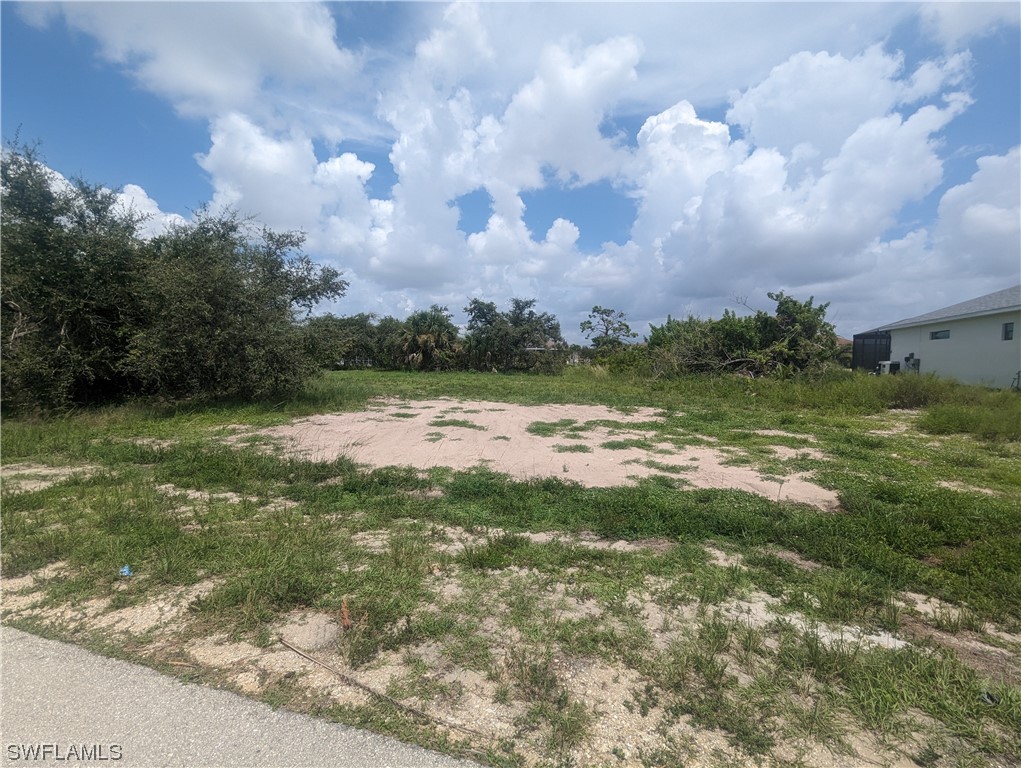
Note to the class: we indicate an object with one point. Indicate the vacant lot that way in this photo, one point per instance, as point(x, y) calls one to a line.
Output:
point(576, 570)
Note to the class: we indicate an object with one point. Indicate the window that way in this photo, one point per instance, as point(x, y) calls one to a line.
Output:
point(933, 335)
point(1008, 331)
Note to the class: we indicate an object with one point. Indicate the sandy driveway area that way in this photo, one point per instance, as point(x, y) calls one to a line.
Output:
point(588, 444)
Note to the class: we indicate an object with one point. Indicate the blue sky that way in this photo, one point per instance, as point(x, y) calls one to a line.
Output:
point(662, 158)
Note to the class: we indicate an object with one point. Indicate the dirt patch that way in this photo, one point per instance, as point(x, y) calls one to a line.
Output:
point(997, 664)
point(757, 610)
point(310, 631)
point(274, 504)
point(964, 487)
point(783, 433)
point(613, 448)
point(795, 559)
point(23, 478)
point(897, 421)
point(724, 559)
point(785, 452)
point(451, 540)
point(157, 443)
point(163, 611)
point(21, 592)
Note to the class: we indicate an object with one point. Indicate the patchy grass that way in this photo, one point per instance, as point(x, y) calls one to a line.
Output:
point(645, 624)
point(463, 423)
point(575, 448)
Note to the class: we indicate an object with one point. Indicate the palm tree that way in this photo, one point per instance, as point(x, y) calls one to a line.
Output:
point(429, 339)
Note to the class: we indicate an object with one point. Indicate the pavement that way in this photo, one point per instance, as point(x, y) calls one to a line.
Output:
point(62, 705)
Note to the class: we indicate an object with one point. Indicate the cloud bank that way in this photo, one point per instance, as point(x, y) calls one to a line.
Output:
point(784, 158)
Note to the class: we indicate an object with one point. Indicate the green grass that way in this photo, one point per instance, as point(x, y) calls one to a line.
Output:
point(463, 423)
point(897, 529)
point(575, 448)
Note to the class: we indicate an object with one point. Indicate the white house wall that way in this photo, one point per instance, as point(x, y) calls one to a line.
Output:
point(975, 353)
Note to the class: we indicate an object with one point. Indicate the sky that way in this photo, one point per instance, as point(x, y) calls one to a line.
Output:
point(657, 158)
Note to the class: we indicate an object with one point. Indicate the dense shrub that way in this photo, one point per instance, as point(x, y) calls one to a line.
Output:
point(93, 313)
point(519, 339)
point(796, 338)
point(220, 304)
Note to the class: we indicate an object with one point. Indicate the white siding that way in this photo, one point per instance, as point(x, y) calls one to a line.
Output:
point(975, 353)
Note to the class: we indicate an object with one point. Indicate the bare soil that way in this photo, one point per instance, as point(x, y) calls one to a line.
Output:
point(462, 435)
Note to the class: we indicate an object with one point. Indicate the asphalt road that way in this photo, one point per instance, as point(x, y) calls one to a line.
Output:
point(62, 703)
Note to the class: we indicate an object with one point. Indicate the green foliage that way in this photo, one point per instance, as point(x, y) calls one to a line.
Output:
point(69, 256)
point(92, 313)
point(219, 312)
point(336, 342)
point(796, 338)
point(429, 340)
point(520, 339)
point(607, 328)
point(997, 419)
point(387, 344)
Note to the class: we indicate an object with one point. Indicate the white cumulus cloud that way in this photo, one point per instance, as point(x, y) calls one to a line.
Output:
point(779, 146)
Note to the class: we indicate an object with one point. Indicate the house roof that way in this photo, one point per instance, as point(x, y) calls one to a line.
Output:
point(991, 303)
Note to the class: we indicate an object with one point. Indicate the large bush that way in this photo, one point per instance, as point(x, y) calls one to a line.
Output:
point(220, 303)
point(93, 313)
point(519, 339)
point(69, 261)
point(796, 338)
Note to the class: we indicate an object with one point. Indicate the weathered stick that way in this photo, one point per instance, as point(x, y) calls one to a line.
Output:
point(376, 694)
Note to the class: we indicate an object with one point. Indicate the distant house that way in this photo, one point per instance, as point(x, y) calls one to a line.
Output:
point(976, 341)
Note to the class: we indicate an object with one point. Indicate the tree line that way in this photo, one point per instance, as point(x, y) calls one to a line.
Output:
point(93, 313)
point(518, 339)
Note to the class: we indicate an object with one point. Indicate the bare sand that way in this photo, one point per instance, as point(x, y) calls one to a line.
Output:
point(466, 434)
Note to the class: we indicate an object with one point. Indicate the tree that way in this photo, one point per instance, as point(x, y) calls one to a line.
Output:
point(430, 340)
point(92, 313)
point(329, 340)
point(489, 342)
point(803, 339)
point(387, 351)
point(607, 328)
point(222, 300)
point(520, 339)
point(70, 255)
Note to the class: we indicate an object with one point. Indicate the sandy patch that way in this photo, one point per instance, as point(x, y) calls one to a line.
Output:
point(956, 486)
point(612, 449)
point(310, 631)
point(158, 612)
point(928, 606)
point(795, 559)
point(23, 478)
point(618, 727)
point(784, 433)
point(998, 664)
point(168, 489)
point(785, 452)
point(157, 443)
point(274, 504)
point(723, 559)
point(757, 610)
point(897, 421)
point(20, 592)
point(452, 540)
point(217, 651)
